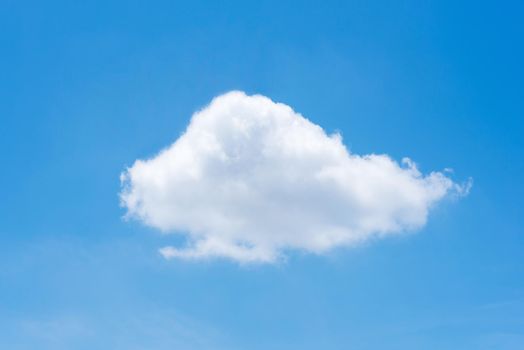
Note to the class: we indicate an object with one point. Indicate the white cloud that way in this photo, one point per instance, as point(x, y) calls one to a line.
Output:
point(251, 178)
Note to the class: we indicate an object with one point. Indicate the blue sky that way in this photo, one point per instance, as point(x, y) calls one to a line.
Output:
point(89, 88)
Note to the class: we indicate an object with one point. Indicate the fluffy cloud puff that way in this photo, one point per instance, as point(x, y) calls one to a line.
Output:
point(251, 178)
